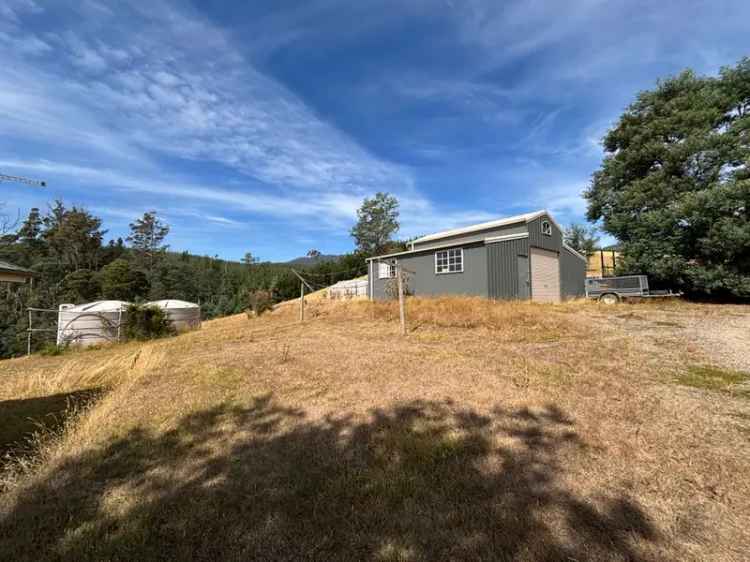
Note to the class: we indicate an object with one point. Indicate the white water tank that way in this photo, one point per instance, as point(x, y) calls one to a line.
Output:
point(183, 315)
point(91, 323)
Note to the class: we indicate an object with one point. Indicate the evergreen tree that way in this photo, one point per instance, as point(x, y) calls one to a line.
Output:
point(581, 238)
point(31, 229)
point(120, 281)
point(74, 237)
point(80, 286)
point(674, 186)
point(147, 235)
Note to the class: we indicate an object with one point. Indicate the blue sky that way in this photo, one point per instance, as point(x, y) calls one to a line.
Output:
point(261, 126)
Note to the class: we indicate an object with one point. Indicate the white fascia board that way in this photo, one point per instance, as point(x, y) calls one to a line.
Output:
point(575, 252)
point(477, 227)
point(425, 249)
point(533, 216)
point(494, 239)
point(525, 218)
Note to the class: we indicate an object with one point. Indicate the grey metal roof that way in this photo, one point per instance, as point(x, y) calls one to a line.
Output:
point(526, 217)
point(11, 268)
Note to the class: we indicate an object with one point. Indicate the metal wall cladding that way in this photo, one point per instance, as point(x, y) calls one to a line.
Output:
point(573, 274)
point(538, 239)
point(502, 269)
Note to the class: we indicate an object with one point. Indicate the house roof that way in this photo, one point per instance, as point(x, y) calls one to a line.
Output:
point(526, 217)
point(6, 267)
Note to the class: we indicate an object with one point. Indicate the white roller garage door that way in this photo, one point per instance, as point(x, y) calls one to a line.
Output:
point(545, 276)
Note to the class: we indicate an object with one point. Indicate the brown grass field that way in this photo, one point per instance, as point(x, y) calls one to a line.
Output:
point(506, 431)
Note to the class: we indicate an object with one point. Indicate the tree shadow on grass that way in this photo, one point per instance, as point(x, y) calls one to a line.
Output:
point(21, 419)
point(418, 481)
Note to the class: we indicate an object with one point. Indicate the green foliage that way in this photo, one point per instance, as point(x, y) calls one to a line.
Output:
point(581, 238)
point(73, 237)
point(74, 266)
point(674, 187)
point(51, 349)
point(147, 236)
point(258, 302)
point(377, 221)
point(712, 378)
point(120, 281)
point(146, 323)
point(80, 286)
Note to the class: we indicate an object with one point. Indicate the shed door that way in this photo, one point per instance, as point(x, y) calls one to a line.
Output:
point(523, 277)
point(545, 275)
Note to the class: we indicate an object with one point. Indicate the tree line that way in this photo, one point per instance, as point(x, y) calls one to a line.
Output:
point(673, 189)
point(65, 247)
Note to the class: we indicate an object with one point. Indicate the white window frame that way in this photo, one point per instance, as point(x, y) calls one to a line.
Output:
point(388, 267)
point(445, 268)
point(546, 227)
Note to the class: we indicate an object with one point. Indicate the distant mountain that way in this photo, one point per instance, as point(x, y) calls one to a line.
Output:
point(306, 261)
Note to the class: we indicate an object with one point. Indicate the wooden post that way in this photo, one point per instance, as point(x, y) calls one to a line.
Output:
point(301, 302)
point(28, 337)
point(401, 311)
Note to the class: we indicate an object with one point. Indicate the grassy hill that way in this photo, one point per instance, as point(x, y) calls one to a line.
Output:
point(492, 431)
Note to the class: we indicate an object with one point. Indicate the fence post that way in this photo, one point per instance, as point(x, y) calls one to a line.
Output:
point(28, 337)
point(301, 302)
point(401, 311)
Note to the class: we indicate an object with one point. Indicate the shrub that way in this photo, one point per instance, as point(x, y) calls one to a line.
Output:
point(52, 349)
point(147, 323)
point(258, 302)
point(391, 286)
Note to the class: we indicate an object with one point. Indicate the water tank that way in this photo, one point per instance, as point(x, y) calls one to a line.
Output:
point(92, 323)
point(183, 315)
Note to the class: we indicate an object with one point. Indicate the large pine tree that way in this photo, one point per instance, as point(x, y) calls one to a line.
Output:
point(147, 236)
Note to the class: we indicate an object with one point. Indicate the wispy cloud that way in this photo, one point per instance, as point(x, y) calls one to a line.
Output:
point(292, 114)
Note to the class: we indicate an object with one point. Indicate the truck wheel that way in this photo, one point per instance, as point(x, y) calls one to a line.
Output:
point(609, 298)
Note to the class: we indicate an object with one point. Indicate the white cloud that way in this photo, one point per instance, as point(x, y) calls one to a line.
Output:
point(186, 92)
point(11, 11)
point(27, 45)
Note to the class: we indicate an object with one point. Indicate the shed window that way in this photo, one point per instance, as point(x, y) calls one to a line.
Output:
point(449, 261)
point(386, 270)
point(546, 228)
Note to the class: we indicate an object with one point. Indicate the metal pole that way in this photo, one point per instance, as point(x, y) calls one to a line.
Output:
point(119, 323)
point(401, 311)
point(301, 302)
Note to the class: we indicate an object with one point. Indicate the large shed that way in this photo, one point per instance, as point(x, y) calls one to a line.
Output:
point(519, 257)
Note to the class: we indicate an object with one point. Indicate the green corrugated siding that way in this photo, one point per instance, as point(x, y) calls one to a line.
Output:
point(539, 240)
point(502, 267)
point(572, 274)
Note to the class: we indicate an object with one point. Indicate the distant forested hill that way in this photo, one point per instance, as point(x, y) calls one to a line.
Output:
point(308, 261)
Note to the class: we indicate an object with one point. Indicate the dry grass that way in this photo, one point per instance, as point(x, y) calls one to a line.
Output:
point(492, 431)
